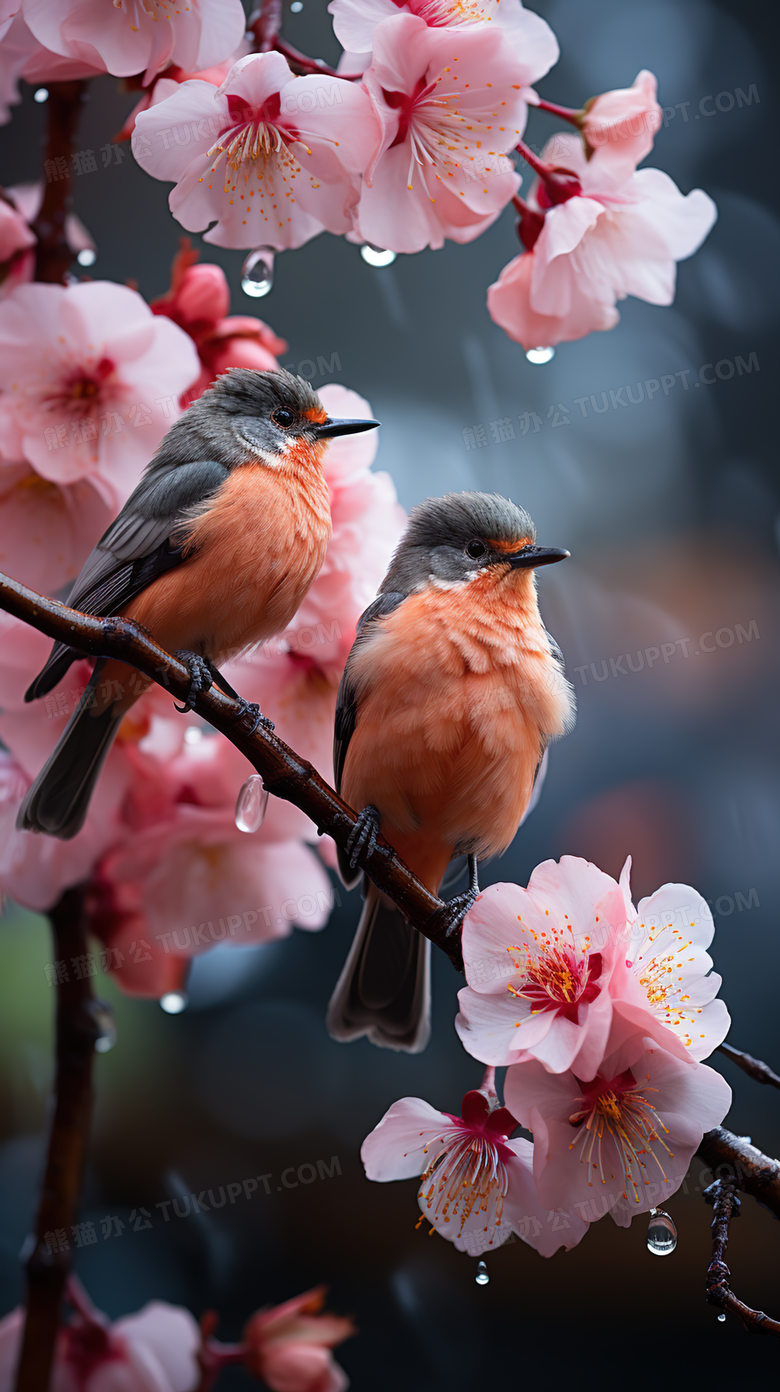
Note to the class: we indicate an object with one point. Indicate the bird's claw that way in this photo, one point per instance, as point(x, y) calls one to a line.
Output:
point(456, 909)
point(250, 710)
point(200, 674)
point(363, 835)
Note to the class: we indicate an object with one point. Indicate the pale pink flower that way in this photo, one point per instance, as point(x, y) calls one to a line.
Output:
point(621, 236)
point(153, 1351)
point(666, 969)
point(47, 530)
point(538, 963)
point(90, 382)
point(288, 1347)
point(451, 106)
point(17, 259)
point(477, 1185)
point(165, 85)
point(127, 37)
point(272, 158)
point(199, 301)
point(622, 1142)
point(623, 123)
point(534, 42)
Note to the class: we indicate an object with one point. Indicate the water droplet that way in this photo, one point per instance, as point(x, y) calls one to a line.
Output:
point(103, 1016)
point(721, 1318)
point(482, 1278)
point(376, 256)
point(661, 1233)
point(540, 355)
point(87, 256)
point(257, 273)
point(296, 6)
point(41, 94)
point(173, 1002)
point(251, 804)
point(193, 734)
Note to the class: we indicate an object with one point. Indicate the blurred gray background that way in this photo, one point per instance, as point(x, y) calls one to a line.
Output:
point(669, 509)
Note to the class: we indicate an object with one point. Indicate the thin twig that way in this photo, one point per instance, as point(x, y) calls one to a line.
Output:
point(48, 1250)
point(755, 1069)
point(53, 255)
point(752, 1171)
point(725, 1203)
point(284, 774)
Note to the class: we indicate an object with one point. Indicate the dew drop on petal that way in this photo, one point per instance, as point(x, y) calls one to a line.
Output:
point(173, 1002)
point(251, 804)
point(661, 1233)
point(257, 273)
point(482, 1278)
point(540, 355)
point(376, 256)
point(103, 1016)
point(721, 1318)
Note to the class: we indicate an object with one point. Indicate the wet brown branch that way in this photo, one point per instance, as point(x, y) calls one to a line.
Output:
point(47, 1251)
point(755, 1069)
point(53, 256)
point(752, 1171)
point(284, 774)
point(726, 1204)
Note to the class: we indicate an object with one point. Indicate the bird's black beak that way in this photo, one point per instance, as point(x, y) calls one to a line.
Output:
point(327, 429)
point(532, 556)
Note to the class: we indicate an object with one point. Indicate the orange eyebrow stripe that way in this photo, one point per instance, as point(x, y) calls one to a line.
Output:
point(510, 546)
point(317, 414)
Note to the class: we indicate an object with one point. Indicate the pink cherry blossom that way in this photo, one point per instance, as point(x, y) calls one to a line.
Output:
point(89, 381)
point(621, 1142)
point(666, 969)
point(47, 530)
point(354, 22)
point(17, 259)
point(199, 301)
point(538, 963)
point(621, 236)
point(272, 158)
point(153, 1351)
point(451, 106)
point(126, 38)
point(165, 85)
point(477, 1185)
point(624, 123)
point(288, 1347)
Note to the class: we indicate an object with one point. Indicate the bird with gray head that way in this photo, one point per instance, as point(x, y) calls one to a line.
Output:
point(212, 553)
point(450, 696)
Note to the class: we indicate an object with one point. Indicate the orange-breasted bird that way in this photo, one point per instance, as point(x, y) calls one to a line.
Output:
point(213, 552)
point(451, 693)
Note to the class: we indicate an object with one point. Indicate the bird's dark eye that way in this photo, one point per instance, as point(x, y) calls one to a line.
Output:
point(475, 549)
point(283, 418)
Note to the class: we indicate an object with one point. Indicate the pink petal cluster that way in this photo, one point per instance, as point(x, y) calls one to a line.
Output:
point(625, 121)
point(289, 1347)
point(89, 383)
point(153, 1351)
point(451, 106)
point(477, 1185)
point(623, 234)
point(271, 158)
point(125, 38)
point(199, 301)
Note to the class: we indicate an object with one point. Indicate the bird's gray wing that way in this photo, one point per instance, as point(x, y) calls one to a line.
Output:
point(140, 544)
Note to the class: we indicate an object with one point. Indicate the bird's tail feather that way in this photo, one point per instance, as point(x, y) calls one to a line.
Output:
point(58, 800)
point(384, 991)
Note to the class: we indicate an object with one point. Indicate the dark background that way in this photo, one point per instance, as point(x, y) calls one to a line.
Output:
point(669, 509)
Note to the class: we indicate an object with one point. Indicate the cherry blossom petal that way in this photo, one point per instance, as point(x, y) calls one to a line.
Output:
point(509, 306)
point(397, 1146)
point(172, 1335)
point(47, 530)
point(623, 123)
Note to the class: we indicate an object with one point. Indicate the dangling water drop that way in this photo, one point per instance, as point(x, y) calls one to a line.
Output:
point(482, 1278)
point(257, 273)
point(251, 804)
point(103, 1016)
point(540, 355)
point(661, 1233)
point(721, 1318)
point(376, 256)
point(173, 1002)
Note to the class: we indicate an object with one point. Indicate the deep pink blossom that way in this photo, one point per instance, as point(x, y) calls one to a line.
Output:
point(273, 159)
point(622, 236)
point(125, 37)
point(477, 1185)
point(288, 1347)
point(623, 123)
point(538, 963)
point(620, 1143)
point(89, 383)
point(451, 106)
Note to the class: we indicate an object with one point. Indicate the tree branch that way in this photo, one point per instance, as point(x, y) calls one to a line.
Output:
point(48, 1250)
point(53, 254)
point(755, 1069)
point(752, 1171)
point(284, 774)
point(725, 1202)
